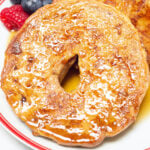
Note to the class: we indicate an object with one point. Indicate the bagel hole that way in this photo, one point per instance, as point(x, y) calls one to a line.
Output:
point(72, 79)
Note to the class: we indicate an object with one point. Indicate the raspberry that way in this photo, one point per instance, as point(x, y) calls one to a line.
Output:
point(13, 17)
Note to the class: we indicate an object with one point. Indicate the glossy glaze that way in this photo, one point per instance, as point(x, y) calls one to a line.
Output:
point(71, 81)
point(113, 72)
point(139, 13)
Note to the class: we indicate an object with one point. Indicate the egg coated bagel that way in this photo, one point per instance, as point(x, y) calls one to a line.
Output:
point(114, 73)
point(139, 13)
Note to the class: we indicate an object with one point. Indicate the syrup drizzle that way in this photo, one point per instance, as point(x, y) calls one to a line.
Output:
point(73, 79)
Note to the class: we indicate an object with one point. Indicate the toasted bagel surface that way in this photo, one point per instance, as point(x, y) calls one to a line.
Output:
point(139, 13)
point(113, 72)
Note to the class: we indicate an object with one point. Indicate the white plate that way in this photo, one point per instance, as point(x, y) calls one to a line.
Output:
point(136, 137)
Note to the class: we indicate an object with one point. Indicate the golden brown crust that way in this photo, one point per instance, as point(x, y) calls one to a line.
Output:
point(140, 17)
point(113, 72)
point(139, 13)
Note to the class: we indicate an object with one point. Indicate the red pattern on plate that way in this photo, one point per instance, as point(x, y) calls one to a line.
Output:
point(20, 135)
point(16, 132)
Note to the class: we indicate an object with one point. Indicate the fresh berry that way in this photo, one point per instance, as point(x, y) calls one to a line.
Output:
point(45, 2)
point(16, 1)
point(31, 6)
point(13, 17)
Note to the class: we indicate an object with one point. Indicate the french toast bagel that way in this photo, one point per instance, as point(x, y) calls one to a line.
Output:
point(114, 74)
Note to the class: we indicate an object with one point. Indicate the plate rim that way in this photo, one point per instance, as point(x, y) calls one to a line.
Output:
point(15, 132)
point(19, 135)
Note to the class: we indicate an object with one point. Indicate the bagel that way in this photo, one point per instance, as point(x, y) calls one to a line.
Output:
point(139, 13)
point(114, 74)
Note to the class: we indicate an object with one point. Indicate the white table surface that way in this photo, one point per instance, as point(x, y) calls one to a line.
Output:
point(8, 142)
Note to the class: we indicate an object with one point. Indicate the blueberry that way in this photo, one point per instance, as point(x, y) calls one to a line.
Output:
point(45, 2)
point(16, 1)
point(31, 6)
